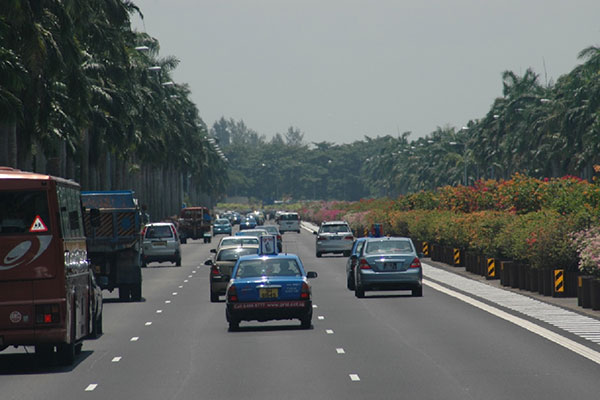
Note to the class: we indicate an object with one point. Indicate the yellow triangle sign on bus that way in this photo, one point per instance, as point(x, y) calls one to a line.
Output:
point(38, 225)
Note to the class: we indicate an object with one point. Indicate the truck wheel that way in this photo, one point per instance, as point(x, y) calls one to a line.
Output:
point(136, 292)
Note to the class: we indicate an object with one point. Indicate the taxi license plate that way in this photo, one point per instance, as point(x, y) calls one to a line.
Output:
point(269, 293)
point(389, 265)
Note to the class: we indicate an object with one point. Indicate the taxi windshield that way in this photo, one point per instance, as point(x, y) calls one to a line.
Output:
point(268, 267)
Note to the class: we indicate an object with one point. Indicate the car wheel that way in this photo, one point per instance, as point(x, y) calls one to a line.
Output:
point(347, 254)
point(183, 240)
point(136, 292)
point(305, 322)
point(144, 265)
point(234, 325)
point(359, 290)
point(350, 282)
point(418, 292)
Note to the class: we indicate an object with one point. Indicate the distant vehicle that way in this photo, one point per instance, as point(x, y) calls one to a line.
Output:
point(248, 223)
point(264, 288)
point(272, 230)
point(252, 232)
point(235, 241)
point(222, 226)
point(195, 223)
point(334, 237)
point(161, 243)
point(289, 222)
point(112, 221)
point(389, 263)
point(222, 266)
point(48, 297)
point(352, 261)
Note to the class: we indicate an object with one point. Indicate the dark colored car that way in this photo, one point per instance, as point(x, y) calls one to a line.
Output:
point(388, 263)
point(248, 223)
point(353, 260)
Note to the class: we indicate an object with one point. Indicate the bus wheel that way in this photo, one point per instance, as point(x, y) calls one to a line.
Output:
point(66, 353)
point(136, 292)
point(44, 351)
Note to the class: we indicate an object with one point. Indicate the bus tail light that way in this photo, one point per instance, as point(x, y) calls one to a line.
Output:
point(47, 314)
point(305, 293)
point(232, 294)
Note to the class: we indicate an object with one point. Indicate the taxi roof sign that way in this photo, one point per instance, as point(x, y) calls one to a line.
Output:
point(268, 245)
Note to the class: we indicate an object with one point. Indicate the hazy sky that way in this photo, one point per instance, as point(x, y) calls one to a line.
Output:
point(342, 69)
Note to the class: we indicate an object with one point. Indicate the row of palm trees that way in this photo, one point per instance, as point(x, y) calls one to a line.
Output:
point(538, 130)
point(84, 97)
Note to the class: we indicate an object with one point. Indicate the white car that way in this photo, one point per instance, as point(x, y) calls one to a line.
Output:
point(289, 222)
point(161, 243)
point(334, 237)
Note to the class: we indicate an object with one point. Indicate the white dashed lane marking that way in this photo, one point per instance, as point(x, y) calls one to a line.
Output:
point(116, 359)
point(186, 281)
point(340, 351)
point(91, 387)
point(321, 317)
point(158, 311)
point(174, 293)
point(148, 323)
point(354, 378)
point(180, 286)
point(134, 339)
point(167, 301)
point(329, 331)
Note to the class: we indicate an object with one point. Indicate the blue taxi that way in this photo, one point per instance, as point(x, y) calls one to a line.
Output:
point(269, 287)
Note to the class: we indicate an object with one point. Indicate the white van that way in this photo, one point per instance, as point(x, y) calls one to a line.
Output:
point(289, 222)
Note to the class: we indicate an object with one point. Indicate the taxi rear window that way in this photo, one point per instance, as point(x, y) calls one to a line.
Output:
point(24, 212)
point(269, 267)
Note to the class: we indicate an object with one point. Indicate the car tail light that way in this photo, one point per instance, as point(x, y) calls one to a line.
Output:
point(174, 231)
point(364, 264)
point(47, 314)
point(232, 294)
point(416, 263)
point(322, 237)
point(214, 270)
point(305, 293)
point(349, 237)
point(144, 231)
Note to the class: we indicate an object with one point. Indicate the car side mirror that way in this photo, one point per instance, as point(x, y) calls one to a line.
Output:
point(213, 251)
point(208, 262)
point(311, 275)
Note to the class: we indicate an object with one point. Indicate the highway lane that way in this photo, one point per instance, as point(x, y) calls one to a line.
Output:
point(386, 346)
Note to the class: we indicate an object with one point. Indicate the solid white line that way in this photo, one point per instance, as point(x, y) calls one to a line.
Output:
point(329, 331)
point(134, 339)
point(340, 351)
point(91, 387)
point(538, 330)
point(148, 323)
point(354, 378)
point(116, 359)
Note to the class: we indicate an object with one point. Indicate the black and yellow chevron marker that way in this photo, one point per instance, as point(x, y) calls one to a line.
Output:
point(559, 280)
point(456, 256)
point(426, 249)
point(491, 267)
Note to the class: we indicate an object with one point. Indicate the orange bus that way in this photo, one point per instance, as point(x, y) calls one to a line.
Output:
point(48, 296)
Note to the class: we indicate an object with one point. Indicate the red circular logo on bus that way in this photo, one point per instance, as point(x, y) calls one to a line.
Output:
point(15, 317)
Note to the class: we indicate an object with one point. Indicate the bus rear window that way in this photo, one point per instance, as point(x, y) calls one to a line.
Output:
point(24, 212)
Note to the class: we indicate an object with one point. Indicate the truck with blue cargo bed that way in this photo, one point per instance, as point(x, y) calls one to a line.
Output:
point(113, 222)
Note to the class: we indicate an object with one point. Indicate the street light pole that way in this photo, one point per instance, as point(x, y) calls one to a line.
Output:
point(464, 145)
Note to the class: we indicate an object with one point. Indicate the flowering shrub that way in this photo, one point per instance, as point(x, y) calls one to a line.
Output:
point(587, 243)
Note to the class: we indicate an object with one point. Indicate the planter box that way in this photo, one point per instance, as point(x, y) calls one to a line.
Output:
point(595, 294)
point(436, 252)
point(505, 272)
point(584, 291)
point(524, 281)
point(514, 276)
point(533, 279)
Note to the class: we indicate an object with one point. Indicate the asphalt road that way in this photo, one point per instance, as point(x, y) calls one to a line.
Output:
point(175, 345)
